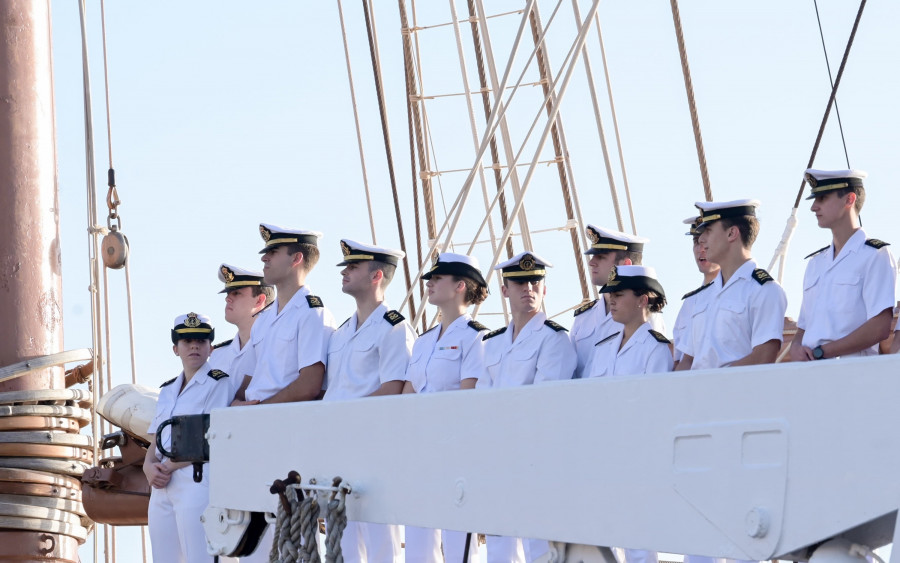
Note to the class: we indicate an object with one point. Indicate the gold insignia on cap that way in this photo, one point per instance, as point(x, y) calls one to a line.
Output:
point(593, 235)
point(345, 248)
point(612, 276)
point(227, 274)
point(527, 263)
point(435, 262)
point(192, 321)
point(266, 233)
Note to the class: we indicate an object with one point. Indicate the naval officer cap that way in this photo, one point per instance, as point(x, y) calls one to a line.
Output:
point(714, 210)
point(632, 277)
point(525, 266)
point(821, 181)
point(236, 278)
point(693, 221)
point(451, 264)
point(192, 326)
point(357, 252)
point(276, 236)
point(605, 240)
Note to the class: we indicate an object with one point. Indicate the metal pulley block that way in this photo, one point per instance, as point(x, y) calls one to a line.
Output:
point(114, 249)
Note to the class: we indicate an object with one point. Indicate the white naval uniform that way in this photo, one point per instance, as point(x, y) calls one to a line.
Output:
point(440, 364)
point(730, 320)
point(841, 293)
point(176, 534)
point(286, 342)
point(539, 353)
point(360, 359)
point(235, 361)
point(643, 353)
point(682, 329)
point(592, 325)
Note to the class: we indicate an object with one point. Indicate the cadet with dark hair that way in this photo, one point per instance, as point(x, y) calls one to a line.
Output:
point(739, 319)
point(592, 320)
point(367, 356)
point(290, 338)
point(176, 501)
point(848, 288)
point(246, 294)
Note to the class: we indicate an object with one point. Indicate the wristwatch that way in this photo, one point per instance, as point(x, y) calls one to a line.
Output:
point(818, 353)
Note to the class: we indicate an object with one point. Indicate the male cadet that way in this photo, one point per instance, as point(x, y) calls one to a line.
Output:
point(290, 338)
point(709, 270)
point(530, 350)
point(245, 295)
point(367, 356)
point(848, 288)
point(739, 319)
point(592, 321)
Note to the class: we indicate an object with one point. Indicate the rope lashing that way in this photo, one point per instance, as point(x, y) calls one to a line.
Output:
point(309, 528)
point(337, 521)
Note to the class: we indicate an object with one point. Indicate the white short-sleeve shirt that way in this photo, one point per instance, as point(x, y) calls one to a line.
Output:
point(206, 391)
point(361, 358)
point(440, 364)
point(593, 323)
point(541, 352)
point(842, 292)
point(730, 320)
point(286, 342)
point(235, 361)
point(643, 353)
point(682, 329)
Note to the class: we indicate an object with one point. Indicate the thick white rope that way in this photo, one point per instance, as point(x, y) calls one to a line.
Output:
point(782, 248)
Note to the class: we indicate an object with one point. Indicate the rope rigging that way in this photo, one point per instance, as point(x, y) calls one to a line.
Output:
point(837, 110)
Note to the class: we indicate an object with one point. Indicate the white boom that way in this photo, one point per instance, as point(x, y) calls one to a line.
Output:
point(749, 463)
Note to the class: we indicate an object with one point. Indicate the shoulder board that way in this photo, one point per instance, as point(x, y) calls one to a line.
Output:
point(761, 276)
point(811, 254)
point(659, 336)
point(613, 335)
point(876, 244)
point(345, 322)
point(394, 317)
point(217, 374)
point(696, 291)
point(314, 302)
point(477, 326)
point(494, 333)
point(169, 382)
point(222, 344)
point(555, 326)
point(586, 307)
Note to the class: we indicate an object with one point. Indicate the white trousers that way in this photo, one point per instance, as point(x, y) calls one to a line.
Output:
point(176, 533)
point(364, 542)
point(424, 545)
point(641, 556)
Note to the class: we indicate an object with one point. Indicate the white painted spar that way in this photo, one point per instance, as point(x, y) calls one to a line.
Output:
point(748, 463)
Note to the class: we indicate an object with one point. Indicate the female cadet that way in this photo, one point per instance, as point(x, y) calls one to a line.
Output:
point(445, 358)
point(176, 501)
point(637, 348)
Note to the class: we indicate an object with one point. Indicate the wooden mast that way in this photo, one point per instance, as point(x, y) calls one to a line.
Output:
point(30, 264)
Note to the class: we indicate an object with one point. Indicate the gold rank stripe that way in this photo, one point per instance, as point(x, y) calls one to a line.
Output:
point(522, 274)
point(192, 330)
point(830, 187)
point(715, 217)
point(604, 246)
point(359, 257)
point(242, 283)
point(270, 242)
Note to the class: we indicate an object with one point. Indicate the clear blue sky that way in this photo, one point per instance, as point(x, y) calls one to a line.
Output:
point(226, 115)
